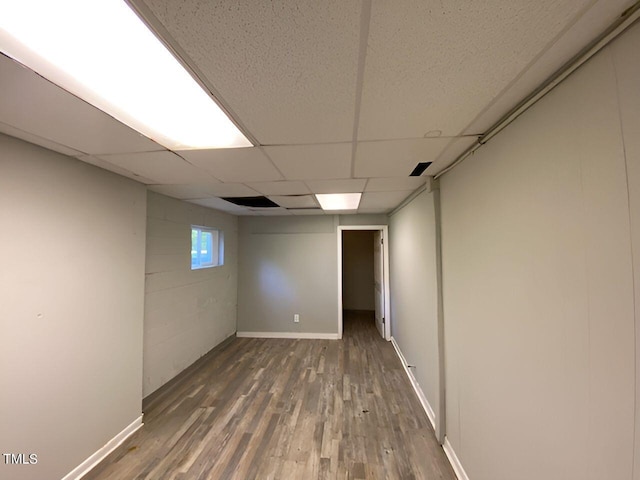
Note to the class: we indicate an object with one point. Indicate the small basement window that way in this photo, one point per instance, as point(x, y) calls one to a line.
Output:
point(207, 247)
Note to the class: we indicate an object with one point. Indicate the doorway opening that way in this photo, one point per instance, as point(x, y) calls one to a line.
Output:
point(363, 274)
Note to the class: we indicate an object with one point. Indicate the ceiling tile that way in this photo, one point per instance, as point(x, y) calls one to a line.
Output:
point(288, 69)
point(581, 33)
point(219, 204)
point(381, 200)
point(352, 185)
point(233, 190)
point(114, 168)
point(32, 104)
point(434, 66)
point(162, 167)
point(183, 192)
point(303, 162)
point(268, 212)
point(234, 164)
point(391, 184)
point(295, 201)
point(35, 139)
point(396, 158)
point(363, 211)
point(307, 211)
point(282, 187)
point(456, 148)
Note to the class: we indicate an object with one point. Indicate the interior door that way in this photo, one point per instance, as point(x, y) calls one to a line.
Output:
point(378, 280)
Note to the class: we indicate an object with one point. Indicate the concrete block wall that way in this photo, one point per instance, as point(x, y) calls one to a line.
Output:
point(187, 312)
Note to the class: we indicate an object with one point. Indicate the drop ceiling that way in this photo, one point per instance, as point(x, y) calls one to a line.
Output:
point(337, 96)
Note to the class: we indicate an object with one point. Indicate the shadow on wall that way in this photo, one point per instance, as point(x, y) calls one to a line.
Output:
point(275, 283)
point(357, 270)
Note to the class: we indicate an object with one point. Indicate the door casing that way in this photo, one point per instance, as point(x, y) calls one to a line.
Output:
point(384, 230)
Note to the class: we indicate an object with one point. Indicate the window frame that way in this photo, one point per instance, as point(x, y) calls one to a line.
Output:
point(216, 247)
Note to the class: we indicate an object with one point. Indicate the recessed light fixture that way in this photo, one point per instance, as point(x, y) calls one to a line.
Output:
point(103, 53)
point(339, 201)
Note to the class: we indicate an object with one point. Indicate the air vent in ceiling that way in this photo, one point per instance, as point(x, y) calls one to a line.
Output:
point(420, 168)
point(255, 202)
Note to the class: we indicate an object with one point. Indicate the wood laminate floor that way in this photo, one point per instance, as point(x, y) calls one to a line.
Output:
point(286, 409)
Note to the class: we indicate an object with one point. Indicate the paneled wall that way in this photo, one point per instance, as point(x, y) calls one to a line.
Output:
point(541, 244)
point(414, 320)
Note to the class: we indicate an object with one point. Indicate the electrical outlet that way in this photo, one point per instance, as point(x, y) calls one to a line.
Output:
point(296, 318)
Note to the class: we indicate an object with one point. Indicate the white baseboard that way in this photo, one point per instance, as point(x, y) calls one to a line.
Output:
point(421, 396)
point(302, 335)
point(448, 449)
point(84, 468)
point(454, 460)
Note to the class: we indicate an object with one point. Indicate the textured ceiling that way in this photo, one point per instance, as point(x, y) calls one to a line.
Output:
point(41, 109)
point(255, 51)
point(338, 96)
point(235, 164)
point(303, 162)
point(434, 65)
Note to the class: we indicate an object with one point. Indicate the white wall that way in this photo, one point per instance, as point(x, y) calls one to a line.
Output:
point(288, 265)
point(357, 270)
point(187, 312)
point(363, 219)
point(539, 288)
point(71, 307)
point(413, 287)
point(627, 67)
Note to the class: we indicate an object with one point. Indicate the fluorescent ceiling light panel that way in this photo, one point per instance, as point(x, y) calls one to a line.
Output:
point(339, 201)
point(102, 52)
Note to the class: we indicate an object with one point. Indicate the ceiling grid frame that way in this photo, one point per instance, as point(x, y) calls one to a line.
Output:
point(294, 174)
